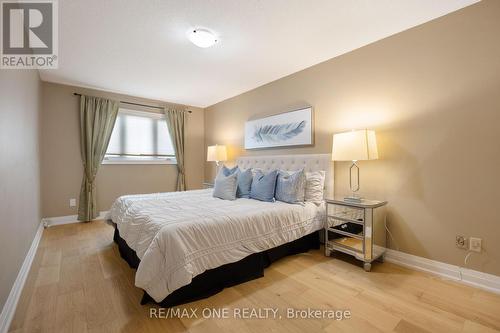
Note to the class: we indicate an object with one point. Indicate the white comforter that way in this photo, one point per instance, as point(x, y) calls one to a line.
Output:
point(179, 235)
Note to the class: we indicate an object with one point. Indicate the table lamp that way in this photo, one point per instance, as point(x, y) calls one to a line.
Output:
point(216, 154)
point(354, 146)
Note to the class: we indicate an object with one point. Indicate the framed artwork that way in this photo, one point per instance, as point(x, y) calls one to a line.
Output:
point(294, 128)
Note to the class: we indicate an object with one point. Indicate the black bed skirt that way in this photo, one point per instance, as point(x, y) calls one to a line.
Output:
point(215, 280)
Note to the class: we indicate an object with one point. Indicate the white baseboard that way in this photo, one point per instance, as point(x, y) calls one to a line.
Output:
point(468, 276)
point(15, 293)
point(60, 220)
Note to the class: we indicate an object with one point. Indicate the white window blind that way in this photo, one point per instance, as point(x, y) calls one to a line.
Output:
point(140, 137)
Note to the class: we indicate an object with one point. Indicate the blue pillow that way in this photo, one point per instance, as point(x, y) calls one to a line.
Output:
point(225, 187)
point(244, 183)
point(244, 180)
point(291, 187)
point(263, 186)
point(228, 172)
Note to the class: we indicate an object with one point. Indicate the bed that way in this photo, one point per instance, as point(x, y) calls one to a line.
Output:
point(189, 245)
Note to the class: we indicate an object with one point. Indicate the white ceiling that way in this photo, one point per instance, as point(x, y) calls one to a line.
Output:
point(140, 48)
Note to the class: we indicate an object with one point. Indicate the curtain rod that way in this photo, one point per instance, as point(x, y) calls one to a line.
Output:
point(137, 104)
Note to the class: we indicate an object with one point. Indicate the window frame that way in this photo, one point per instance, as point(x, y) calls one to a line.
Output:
point(140, 159)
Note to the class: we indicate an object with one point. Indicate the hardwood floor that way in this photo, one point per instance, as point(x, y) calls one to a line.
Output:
point(79, 283)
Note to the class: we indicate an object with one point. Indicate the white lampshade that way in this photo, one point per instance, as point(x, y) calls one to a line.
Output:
point(355, 146)
point(216, 153)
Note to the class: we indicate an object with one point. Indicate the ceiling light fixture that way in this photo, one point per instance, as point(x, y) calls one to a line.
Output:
point(202, 37)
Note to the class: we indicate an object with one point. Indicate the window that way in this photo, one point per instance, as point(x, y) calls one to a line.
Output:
point(140, 138)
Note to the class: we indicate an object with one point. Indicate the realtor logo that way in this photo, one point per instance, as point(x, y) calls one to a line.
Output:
point(29, 34)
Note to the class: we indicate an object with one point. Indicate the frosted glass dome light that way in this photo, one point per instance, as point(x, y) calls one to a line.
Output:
point(202, 38)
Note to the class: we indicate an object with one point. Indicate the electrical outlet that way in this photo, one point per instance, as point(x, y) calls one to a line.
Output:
point(461, 242)
point(475, 244)
point(72, 202)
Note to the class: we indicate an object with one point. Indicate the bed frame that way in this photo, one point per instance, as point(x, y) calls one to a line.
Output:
point(251, 267)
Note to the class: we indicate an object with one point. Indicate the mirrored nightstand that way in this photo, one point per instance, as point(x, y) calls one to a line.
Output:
point(357, 229)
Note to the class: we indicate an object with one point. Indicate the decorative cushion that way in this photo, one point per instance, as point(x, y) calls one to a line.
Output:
point(290, 187)
point(263, 186)
point(244, 183)
point(315, 184)
point(227, 172)
point(225, 186)
point(244, 180)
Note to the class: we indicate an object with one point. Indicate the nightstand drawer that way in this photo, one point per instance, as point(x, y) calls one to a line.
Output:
point(346, 213)
point(347, 228)
point(333, 221)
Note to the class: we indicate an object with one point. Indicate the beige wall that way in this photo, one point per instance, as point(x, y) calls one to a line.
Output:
point(61, 165)
point(19, 171)
point(432, 93)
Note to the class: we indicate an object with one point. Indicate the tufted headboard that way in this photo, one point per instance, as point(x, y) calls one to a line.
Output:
point(310, 162)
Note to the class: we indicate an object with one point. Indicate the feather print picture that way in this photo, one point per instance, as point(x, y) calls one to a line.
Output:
point(278, 133)
point(286, 129)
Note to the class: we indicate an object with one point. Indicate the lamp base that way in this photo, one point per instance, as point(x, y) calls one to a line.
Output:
point(354, 199)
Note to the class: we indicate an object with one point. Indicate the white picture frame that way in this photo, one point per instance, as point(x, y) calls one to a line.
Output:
point(289, 129)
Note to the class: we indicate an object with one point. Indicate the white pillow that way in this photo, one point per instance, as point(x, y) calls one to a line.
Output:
point(315, 184)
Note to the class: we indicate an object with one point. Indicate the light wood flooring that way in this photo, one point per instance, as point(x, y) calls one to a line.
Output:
point(79, 283)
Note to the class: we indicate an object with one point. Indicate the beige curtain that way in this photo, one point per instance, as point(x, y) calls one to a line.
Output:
point(176, 119)
point(97, 118)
